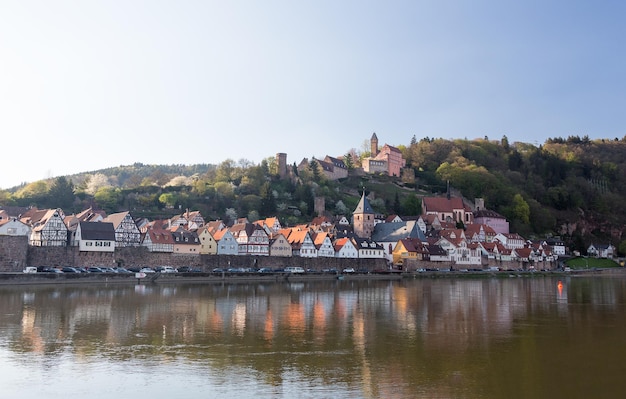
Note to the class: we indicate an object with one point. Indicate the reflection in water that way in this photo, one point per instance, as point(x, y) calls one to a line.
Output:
point(518, 337)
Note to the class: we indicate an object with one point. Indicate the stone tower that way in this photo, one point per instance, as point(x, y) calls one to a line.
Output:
point(374, 145)
point(319, 205)
point(281, 160)
point(363, 218)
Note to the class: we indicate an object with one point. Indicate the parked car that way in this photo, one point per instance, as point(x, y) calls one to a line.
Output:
point(69, 269)
point(168, 269)
point(188, 269)
point(47, 269)
point(121, 270)
point(108, 270)
point(294, 269)
point(94, 269)
point(348, 270)
point(146, 270)
point(265, 270)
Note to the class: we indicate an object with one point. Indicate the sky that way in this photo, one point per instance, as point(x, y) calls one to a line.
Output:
point(86, 85)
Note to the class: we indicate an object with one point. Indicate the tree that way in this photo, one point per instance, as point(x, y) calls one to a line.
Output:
point(168, 199)
point(95, 182)
point(62, 193)
point(226, 171)
point(397, 207)
point(314, 166)
point(520, 209)
point(412, 205)
point(108, 198)
point(621, 248)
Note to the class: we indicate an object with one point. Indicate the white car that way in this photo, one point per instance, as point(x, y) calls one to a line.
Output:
point(348, 270)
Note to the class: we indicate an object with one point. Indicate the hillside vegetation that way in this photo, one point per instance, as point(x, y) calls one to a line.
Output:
point(573, 187)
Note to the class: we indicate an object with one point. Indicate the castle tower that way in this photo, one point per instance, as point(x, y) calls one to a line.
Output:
point(319, 205)
point(374, 145)
point(363, 218)
point(281, 160)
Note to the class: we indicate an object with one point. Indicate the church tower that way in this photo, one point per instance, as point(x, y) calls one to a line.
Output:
point(363, 218)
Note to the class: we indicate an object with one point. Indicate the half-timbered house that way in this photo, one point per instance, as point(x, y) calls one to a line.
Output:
point(158, 240)
point(49, 230)
point(127, 233)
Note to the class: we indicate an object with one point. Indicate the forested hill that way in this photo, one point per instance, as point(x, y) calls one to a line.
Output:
point(573, 187)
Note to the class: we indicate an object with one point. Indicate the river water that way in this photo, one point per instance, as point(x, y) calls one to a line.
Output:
point(537, 337)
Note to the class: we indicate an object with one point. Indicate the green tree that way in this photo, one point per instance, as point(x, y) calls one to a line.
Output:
point(61, 193)
point(168, 199)
point(108, 198)
point(412, 205)
point(621, 248)
point(520, 209)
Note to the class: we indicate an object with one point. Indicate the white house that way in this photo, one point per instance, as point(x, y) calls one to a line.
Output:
point(95, 237)
point(13, 227)
point(344, 248)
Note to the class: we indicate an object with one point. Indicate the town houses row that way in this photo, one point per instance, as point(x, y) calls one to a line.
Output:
point(448, 231)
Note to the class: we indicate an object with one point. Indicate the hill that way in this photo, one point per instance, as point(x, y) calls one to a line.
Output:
point(573, 187)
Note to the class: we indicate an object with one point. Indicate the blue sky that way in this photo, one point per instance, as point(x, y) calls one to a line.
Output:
point(86, 85)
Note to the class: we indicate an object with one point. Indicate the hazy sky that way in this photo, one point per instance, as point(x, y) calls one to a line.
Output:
point(89, 84)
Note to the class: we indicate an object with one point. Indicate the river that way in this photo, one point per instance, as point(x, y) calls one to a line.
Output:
point(540, 337)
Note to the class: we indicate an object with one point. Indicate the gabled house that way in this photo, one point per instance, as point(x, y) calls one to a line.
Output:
point(208, 245)
point(185, 242)
point(601, 250)
point(511, 240)
point(324, 245)
point(251, 239)
point(13, 227)
point(344, 248)
point(393, 219)
point(368, 249)
point(279, 246)
point(157, 239)
point(215, 225)
point(226, 242)
point(495, 251)
point(523, 255)
point(301, 243)
point(437, 253)
point(467, 254)
point(271, 225)
point(558, 246)
point(410, 249)
point(190, 220)
point(49, 230)
point(479, 233)
point(95, 237)
point(127, 233)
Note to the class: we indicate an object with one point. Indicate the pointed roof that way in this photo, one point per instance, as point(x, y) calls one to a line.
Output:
point(116, 218)
point(364, 206)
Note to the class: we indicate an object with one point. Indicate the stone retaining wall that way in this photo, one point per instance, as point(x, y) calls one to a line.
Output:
point(13, 253)
point(140, 256)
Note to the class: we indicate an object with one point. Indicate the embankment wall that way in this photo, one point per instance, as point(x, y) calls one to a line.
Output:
point(15, 254)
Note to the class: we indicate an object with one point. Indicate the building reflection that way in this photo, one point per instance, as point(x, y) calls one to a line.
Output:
point(327, 331)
